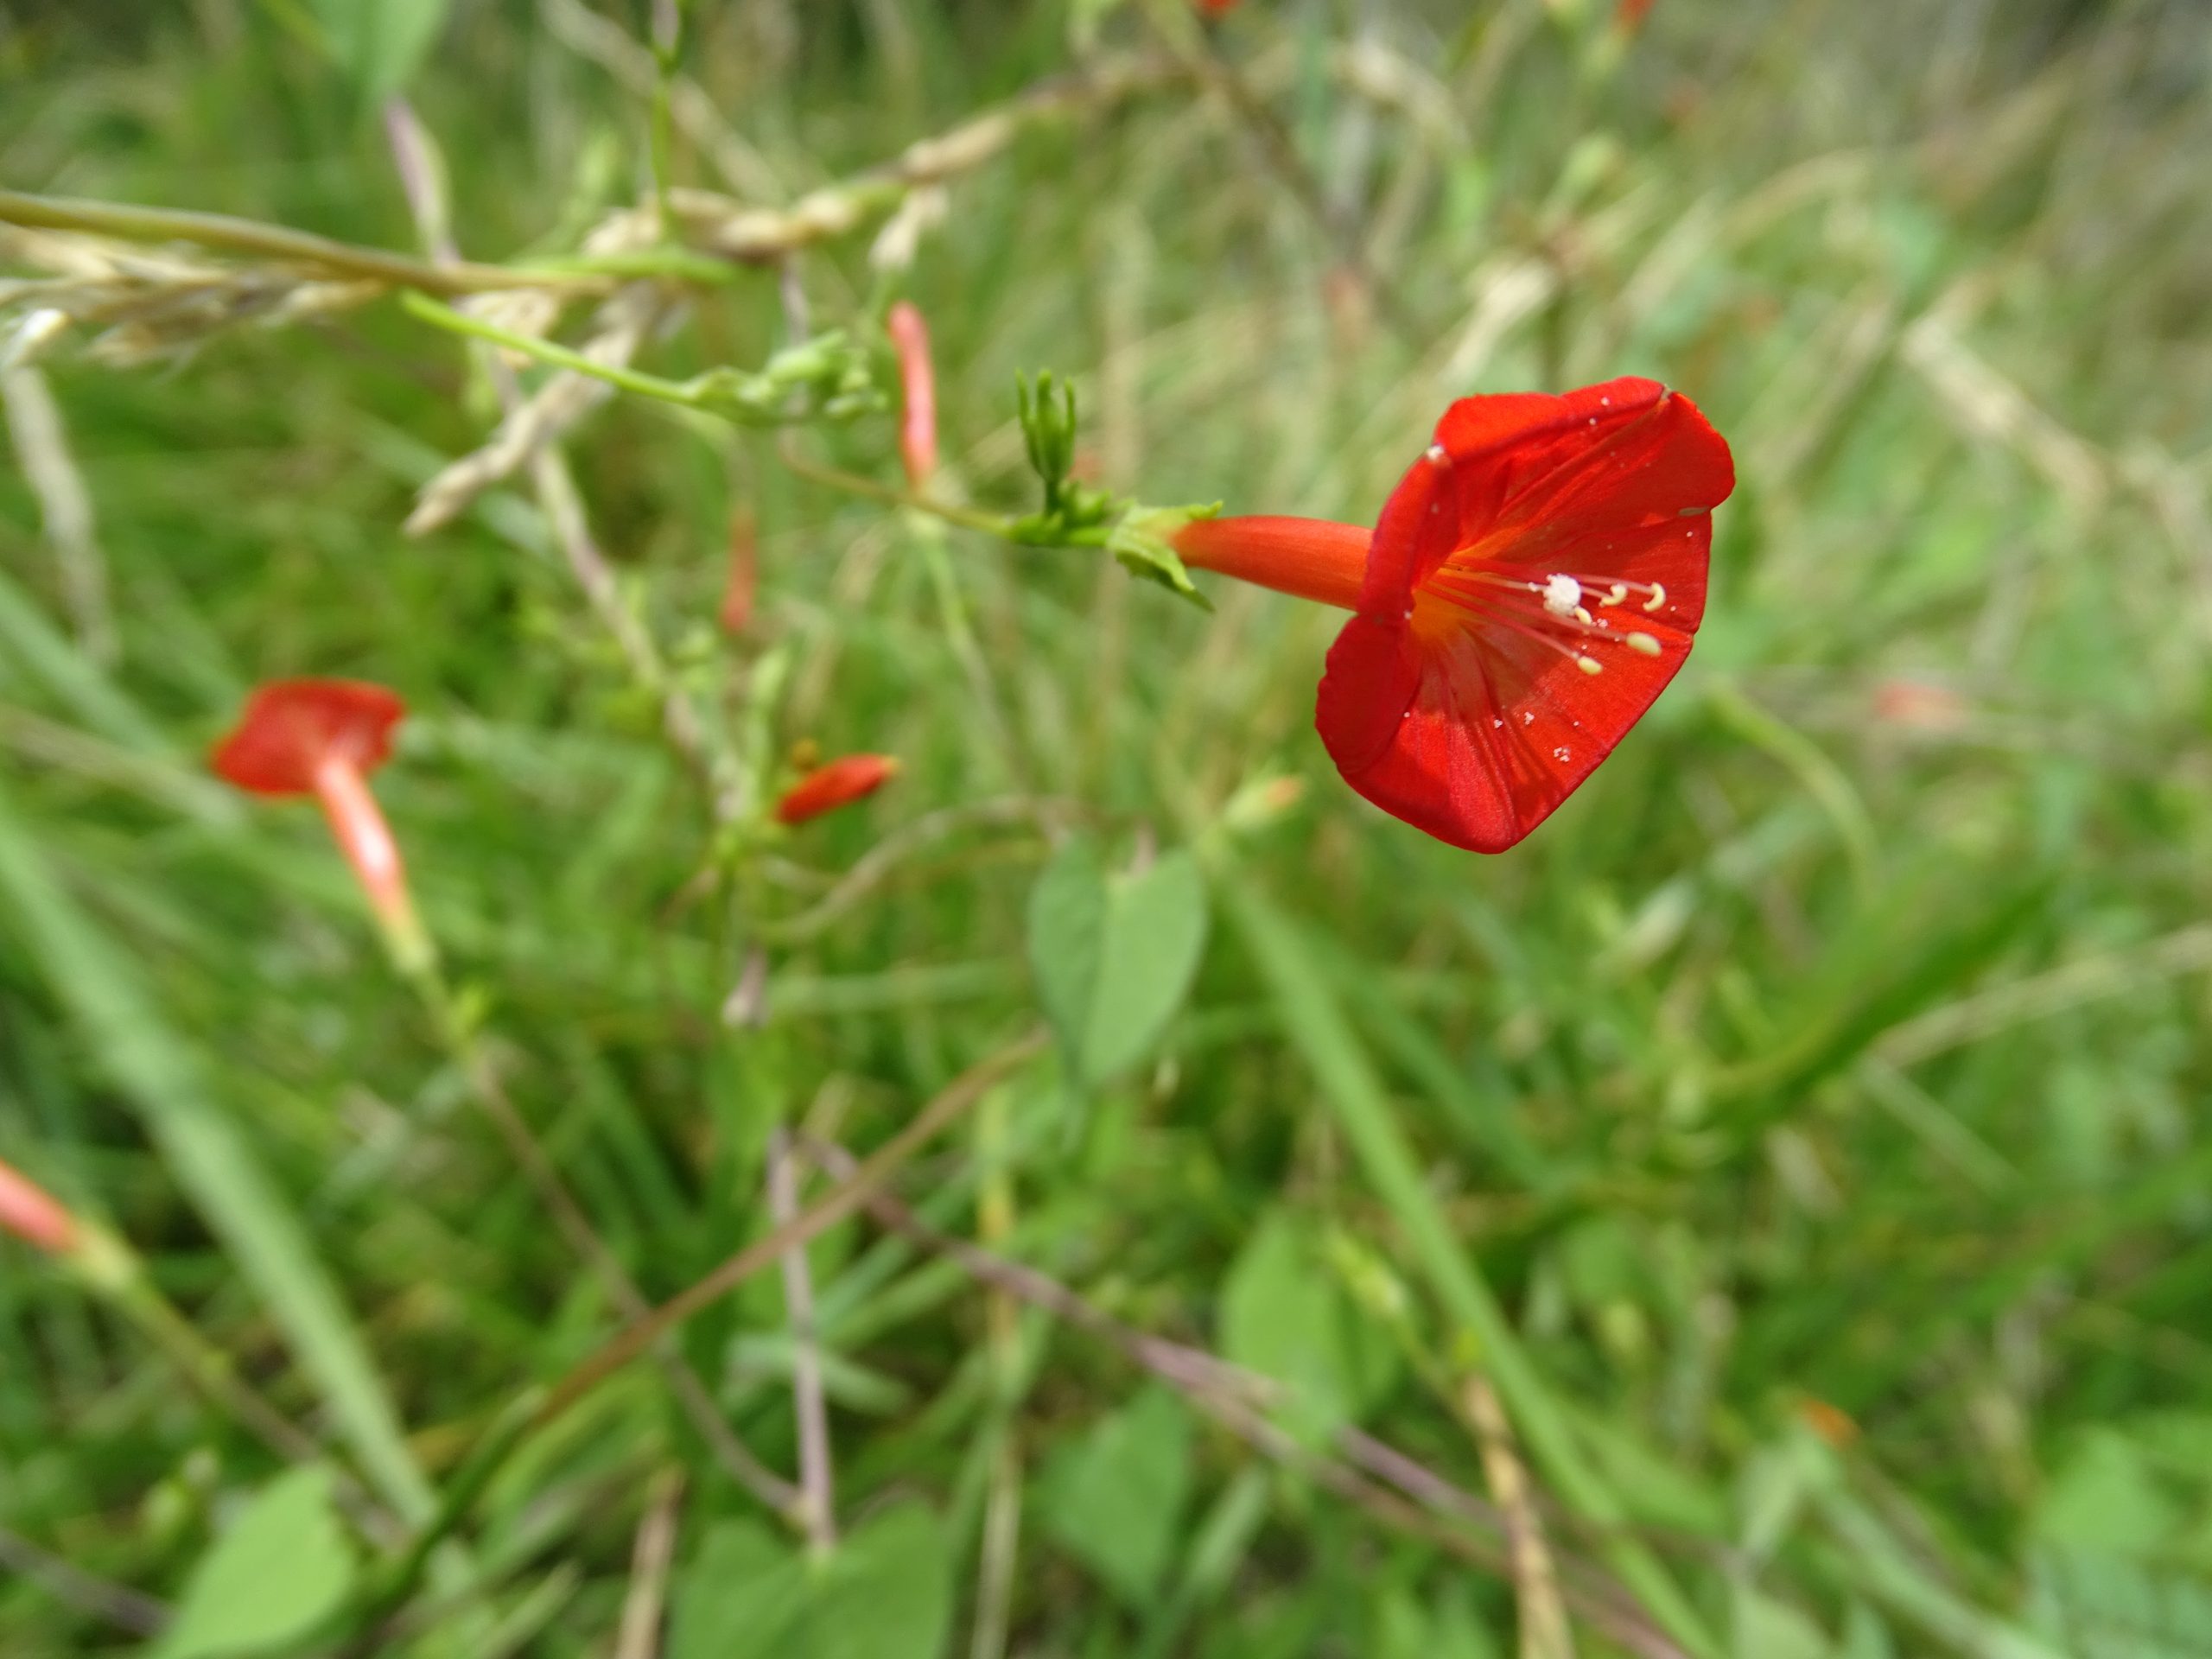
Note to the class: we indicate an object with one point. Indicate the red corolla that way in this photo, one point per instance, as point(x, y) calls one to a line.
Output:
point(837, 782)
point(323, 738)
point(1533, 583)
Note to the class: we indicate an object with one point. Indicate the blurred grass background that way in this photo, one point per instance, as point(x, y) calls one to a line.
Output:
point(1820, 1092)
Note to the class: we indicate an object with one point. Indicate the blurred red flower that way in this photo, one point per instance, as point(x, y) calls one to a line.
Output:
point(1631, 13)
point(323, 738)
point(835, 784)
point(910, 336)
point(34, 1214)
point(1533, 584)
point(1217, 8)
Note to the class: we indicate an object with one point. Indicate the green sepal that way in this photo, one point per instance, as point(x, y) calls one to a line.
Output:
point(1142, 540)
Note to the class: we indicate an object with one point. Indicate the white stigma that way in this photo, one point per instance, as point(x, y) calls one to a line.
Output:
point(1562, 596)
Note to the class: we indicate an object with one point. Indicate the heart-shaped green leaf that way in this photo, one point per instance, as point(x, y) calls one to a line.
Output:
point(282, 1568)
point(1114, 954)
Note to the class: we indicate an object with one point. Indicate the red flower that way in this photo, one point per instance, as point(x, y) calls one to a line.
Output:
point(839, 782)
point(324, 737)
point(1533, 582)
point(910, 336)
point(34, 1214)
point(1217, 8)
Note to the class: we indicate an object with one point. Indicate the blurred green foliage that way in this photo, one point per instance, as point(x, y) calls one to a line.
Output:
point(1817, 1103)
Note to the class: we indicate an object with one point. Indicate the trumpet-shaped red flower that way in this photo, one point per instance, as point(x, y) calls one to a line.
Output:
point(323, 738)
point(910, 337)
point(835, 784)
point(34, 1214)
point(1533, 582)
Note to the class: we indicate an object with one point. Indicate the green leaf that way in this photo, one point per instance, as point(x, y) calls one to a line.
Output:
point(380, 43)
point(1115, 1499)
point(885, 1593)
point(1314, 1021)
point(1283, 1316)
point(1764, 1628)
point(2106, 1498)
point(1142, 540)
point(283, 1568)
point(1114, 955)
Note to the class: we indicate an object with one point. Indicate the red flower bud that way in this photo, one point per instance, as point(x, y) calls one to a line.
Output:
point(34, 1214)
point(744, 575)
point(917, 385)
point(841, 782)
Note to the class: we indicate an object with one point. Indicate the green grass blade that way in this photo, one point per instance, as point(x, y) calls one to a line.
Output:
point(213, 1164)
point(1318, 1027)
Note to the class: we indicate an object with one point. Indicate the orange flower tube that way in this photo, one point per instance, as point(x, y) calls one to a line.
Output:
point(324, 737)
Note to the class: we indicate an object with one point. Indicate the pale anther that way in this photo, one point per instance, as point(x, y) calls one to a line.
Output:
point(1589, 665)
point(1615, 594)
point(1645, 642)
point(1658, 596)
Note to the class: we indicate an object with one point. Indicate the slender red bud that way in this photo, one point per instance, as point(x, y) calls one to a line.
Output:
point(34, 1214)
point(744, 573)
point(842, 781)
point(918, 383)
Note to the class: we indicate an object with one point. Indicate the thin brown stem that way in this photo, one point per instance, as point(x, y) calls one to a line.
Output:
point(1544, 1632)
point(118, 1605)
point(637, 1636)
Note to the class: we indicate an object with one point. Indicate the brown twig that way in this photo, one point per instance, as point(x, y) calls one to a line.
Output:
point(118, 1605)
point(1544, 1633)
point(637, 1636)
